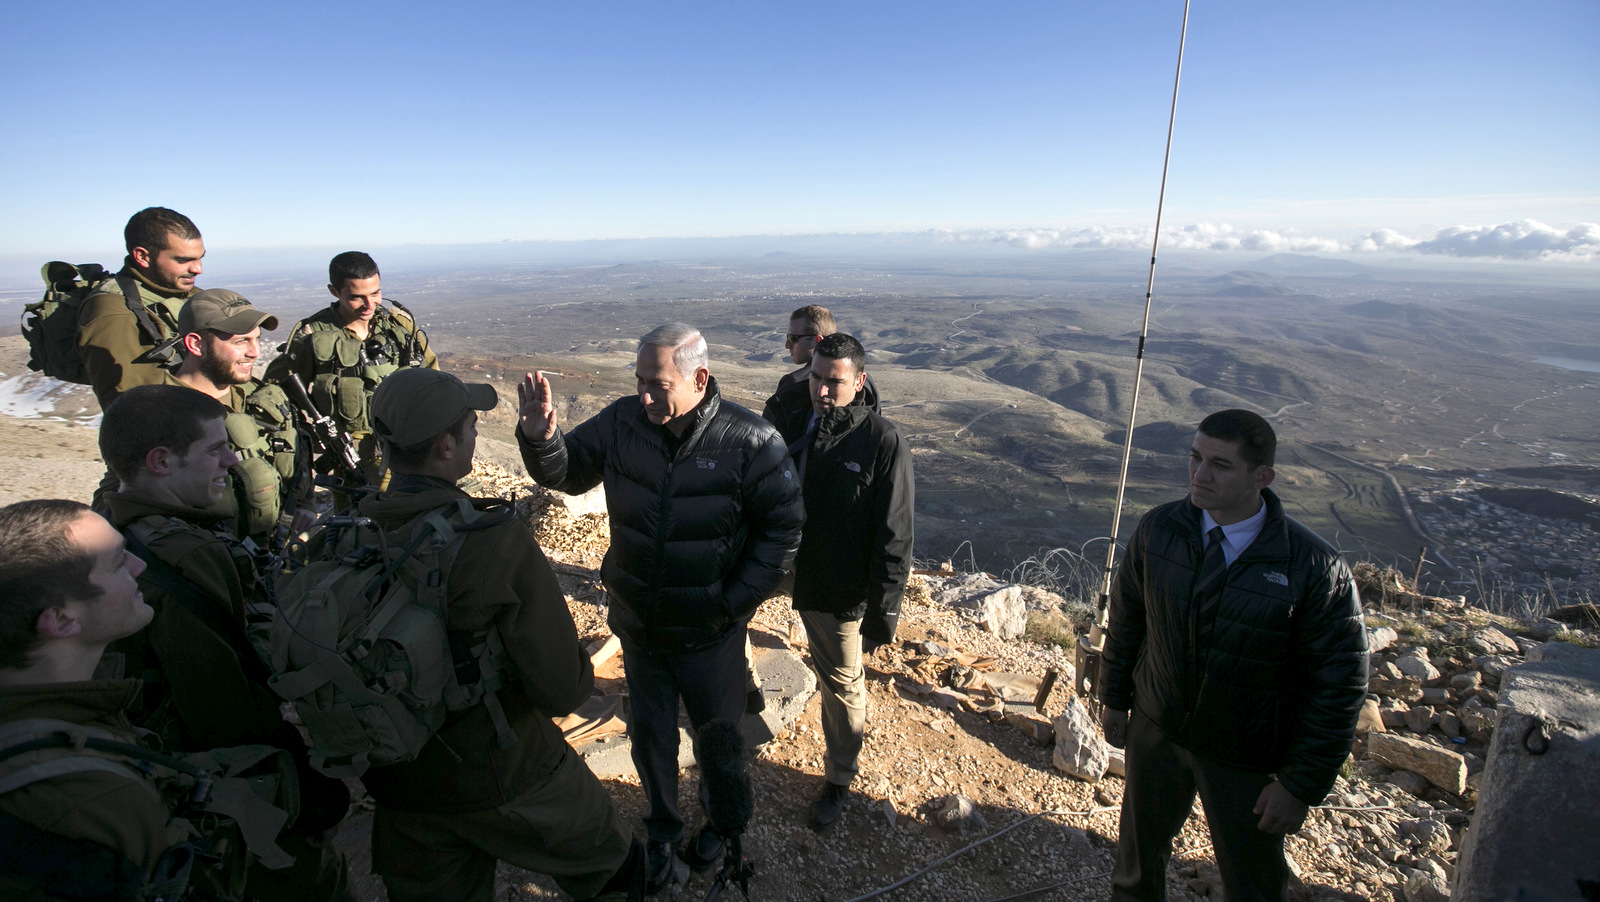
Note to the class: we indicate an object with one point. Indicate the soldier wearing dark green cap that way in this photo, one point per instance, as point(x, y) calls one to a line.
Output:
point(205, 683)
point(270, 487)
point(444, 818)
point(344, 351)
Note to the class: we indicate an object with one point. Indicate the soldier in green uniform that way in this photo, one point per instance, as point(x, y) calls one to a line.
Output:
point(270, 487)
point(345, 350)
point(164, 252)
point(67, 588)
point(205, 684)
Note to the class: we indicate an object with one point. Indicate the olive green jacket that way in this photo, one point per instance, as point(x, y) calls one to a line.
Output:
point(109, 807)
point(205, 684)
point(110, 338)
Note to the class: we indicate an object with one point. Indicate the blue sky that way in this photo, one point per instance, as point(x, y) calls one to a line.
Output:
point(374, 124)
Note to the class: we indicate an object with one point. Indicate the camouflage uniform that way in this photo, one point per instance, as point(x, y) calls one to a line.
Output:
point(110, 339)
point(205, 683)
point(341, 371)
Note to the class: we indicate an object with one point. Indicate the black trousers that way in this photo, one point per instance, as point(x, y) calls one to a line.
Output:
point(711, 682)
point(1163, 778)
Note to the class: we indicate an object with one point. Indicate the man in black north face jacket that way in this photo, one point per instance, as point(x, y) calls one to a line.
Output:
point(1236, 639)
point(855, 556)
point(705, 518)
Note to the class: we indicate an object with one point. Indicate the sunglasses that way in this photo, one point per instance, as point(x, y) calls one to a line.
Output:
point(794, 338)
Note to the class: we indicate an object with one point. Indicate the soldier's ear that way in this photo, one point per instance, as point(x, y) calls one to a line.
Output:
point(193, 344)
point(140, 257)
point(158, 461)
point(57, 623)
point(333, 290)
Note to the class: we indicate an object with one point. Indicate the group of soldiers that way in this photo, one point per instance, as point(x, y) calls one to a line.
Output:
point(139, 637)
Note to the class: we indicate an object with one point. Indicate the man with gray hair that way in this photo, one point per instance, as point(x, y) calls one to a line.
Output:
point(705, 514)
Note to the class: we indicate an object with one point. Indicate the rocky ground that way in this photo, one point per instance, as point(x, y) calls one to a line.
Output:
point(941, 726)
point(939, 732)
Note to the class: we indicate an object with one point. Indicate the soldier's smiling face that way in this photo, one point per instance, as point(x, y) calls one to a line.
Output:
point(199, 475)
point(120, 609)
point(230, 359)
point(359, 299)
point(173, 267)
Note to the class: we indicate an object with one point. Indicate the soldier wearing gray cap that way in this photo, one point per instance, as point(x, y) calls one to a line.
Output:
point(443, 819)
point(270, 487)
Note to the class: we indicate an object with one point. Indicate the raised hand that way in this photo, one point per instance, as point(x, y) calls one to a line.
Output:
point(536, 412)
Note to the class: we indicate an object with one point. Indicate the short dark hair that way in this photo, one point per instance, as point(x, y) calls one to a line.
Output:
point(150, 227)
point(39, 568)
point(843, 346)
point(413, 457)
point(153, 416)
point(817, 317)
point(1258, 444)
point(351, 265)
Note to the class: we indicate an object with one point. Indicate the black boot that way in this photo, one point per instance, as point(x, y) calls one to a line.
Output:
point(829, 806)
point(664, 868)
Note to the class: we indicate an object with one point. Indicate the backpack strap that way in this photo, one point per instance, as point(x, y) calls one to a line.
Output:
point(183, 591)
point(165, 349)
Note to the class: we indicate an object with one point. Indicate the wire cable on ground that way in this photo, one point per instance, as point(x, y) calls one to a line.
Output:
point(973, 845)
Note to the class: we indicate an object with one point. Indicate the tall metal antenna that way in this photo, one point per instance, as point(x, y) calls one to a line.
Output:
point(1090, 647)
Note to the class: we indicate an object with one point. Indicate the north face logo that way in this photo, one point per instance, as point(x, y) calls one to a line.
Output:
point(852, 466)
point(705, 463)
point(1274, 576)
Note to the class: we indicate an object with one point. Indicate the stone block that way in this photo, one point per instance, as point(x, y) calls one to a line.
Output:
point(1412, 783)
point(1405, 688)
point(1441, 767)
point(1419, 719)
point(1035, 726)
point(1380, 638)
point(1416, 664)
point(1466, 682)
point(1371, 718)
point(1081, 750)
point(1436, 696)
point(1535, 823)
point(999, 607)
point(1491, 641)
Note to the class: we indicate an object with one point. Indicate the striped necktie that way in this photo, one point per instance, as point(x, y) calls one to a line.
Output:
point(1208, 591)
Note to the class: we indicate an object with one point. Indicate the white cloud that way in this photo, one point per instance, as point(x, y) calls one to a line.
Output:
point(1522, 240)
point(1526, 239)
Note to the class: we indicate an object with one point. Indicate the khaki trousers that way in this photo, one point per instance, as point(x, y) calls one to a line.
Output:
point(836, 657)
point(565, 827)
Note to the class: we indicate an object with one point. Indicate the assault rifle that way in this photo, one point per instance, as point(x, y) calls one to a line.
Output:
point(336, 453)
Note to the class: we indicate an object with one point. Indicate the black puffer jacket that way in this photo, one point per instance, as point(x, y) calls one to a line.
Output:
point(855, 555)
point(698, 538)
point(1280, 690)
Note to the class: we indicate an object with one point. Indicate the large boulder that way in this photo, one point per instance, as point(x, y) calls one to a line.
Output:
point(1441, 767)
point(999, 607)
point(1081, 750)
point(1536, 828)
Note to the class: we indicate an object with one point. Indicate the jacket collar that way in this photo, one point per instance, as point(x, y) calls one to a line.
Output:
point(146, 285)
point(90, 702)
point(1272, 543)
point(703, 414)
point(128, 506)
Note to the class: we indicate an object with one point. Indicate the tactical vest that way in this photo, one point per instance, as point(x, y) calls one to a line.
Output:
point(225, 802)
point(264, 484)
point(348, 369)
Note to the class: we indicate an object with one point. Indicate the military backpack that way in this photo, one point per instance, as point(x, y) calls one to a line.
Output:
point(362, 646)
point(51, 323)
point(229, 805)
